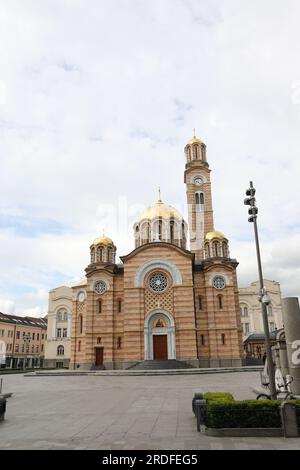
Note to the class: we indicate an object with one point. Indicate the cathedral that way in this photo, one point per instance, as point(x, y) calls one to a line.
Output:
point(164, 301)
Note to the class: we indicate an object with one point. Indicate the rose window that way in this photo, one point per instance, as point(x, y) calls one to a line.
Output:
point(100, 287)
point(158, 282)
point(219, 282)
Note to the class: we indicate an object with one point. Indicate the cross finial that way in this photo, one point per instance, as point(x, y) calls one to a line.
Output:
point(159, 195)
point(103, 232)
point(194, 132)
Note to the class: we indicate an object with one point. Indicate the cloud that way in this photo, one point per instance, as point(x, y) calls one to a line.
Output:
point(96, 104)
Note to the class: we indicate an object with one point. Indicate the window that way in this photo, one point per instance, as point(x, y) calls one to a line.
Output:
point(98, 340)
point(199, 199)
point(218, 282)
point(65, 333)
point(37, 349)
point(58, 334)
point(60, 350)
point(246, 328)
point(59, 316)
point(200, 306)
point(33, 336)
point(269, 311)
point(42, 348)
point(110, 254)
point(93, 255)
point(23, 347)
point(38, 336)
point(1, 333)
point(223, 339)
point(272, 326)
point(215, 249)
point(32, 348)
point(207, 250)
point(18, 335)
point(100, 287)
point(99, 303)
point(171, 231)
point(160, 230)
point(120, 305)
point(225, 249)
point(17, 348)
point(202, 340)
point(43, 336)
point(65, 316)
point(119, 342)
point(158, 282)
point(220, 301)
point(244, 311)
point(80, 323)
point(79, 346)
point(100, 254)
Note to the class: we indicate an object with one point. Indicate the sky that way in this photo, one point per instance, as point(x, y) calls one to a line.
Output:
point(97, 101)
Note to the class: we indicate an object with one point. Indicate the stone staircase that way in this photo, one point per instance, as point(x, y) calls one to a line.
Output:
point(160, 365)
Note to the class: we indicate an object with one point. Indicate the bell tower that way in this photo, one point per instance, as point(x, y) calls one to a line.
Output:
point(199, 200)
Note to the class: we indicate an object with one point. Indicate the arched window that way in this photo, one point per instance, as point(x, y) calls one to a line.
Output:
point(93, 255)
point(189, 154)
point(172, 231)
point(119, 342)
point(220, 301)
point(79, 346)
point(99, 306)
point(110, 254)
point(203, 152)
point(196, 152)
point(215, 248)
point(225, 249)
point(207, 250)
point(160, 229)
point(245, 311)
point(60, 350)
point(100, 253)
point(202, 340)
point(199, 200)
point(80, 323)
point(200, 303)
point(223, 339)
point(65, 316)
point(59, 315)
point(120, 305)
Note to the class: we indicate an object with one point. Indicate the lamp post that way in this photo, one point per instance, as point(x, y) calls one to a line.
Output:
point(264, 297)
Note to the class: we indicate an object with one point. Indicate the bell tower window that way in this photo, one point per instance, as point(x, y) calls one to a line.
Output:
point(199, 200)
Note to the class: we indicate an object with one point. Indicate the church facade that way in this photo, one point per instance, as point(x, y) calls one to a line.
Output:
point(163, 301)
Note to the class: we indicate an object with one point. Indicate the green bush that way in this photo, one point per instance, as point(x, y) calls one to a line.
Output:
point(224, 412)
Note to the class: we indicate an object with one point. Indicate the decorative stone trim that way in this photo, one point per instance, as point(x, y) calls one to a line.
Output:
point(158, 264)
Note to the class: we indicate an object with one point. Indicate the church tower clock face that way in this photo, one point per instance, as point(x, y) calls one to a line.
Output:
point(198, 180)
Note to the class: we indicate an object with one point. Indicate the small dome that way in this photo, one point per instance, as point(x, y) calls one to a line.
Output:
point(103, 241)
point(161, 210)
point(211, 235)
point(194, 140)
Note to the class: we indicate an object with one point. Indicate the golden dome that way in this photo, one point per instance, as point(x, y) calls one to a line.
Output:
point(103, 241)
point(211, 235)
point(160, 209)
point(194, 140)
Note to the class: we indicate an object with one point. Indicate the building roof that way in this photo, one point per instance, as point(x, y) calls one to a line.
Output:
point(28, 321)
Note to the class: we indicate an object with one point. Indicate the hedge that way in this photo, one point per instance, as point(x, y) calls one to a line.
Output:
point(225, 412)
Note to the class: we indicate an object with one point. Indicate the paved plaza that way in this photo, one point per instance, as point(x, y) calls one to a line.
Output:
point(104, 412)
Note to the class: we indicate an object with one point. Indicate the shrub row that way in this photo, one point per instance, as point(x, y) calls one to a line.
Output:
point(225, 412)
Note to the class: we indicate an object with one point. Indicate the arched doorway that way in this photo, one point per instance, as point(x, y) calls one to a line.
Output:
point(159, 336)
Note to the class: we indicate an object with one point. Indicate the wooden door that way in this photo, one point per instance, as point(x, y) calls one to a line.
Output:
point(98, 356)
point(160, 347)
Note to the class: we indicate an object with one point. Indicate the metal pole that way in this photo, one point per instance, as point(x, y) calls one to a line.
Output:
point(271, 369)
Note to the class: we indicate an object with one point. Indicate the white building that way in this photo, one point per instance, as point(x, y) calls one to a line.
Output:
point(58, 344)
point(250, 308)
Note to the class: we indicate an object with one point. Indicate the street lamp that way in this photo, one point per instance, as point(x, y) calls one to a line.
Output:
point(264, 297)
